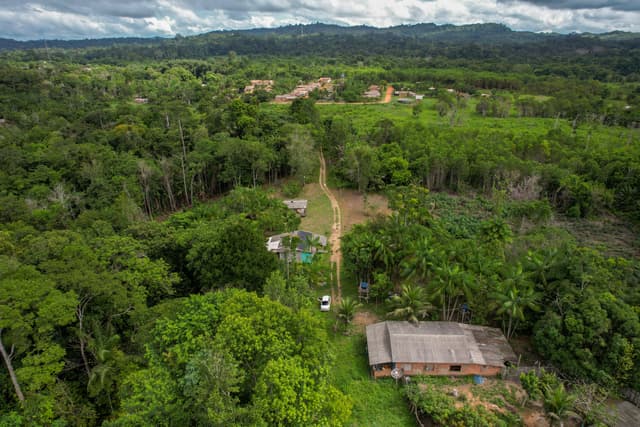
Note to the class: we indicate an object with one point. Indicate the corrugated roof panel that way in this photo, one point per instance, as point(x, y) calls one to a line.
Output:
point(436, 342)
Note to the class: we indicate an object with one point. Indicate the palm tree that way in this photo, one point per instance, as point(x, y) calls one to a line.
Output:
point(541, 264)
point(388, 250)
point(347, 309)
point(411, 304)
point(558, 404)
point(452, 283)
point(497, 233)
point(516, 295)
point(104, 375)
point(312, 243)
point(421, 260)
point(383, 251)
point(290, 244)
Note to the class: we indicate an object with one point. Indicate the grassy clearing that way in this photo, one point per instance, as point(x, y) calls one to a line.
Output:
point(375, 403)
point(319, 217)
point(609, 234)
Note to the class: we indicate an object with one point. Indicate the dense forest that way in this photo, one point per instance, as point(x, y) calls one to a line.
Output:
point(138, 185)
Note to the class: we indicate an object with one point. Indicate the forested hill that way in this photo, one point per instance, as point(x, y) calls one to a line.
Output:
point(332, 40)
point(10, 44)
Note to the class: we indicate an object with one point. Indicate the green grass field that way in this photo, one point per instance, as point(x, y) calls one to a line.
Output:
point(319, 217)
point(365, 116)
point(375, 402)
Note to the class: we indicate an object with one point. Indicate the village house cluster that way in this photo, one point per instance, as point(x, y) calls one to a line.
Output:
point(407, 96)
point(266, 85)
point(303, 91)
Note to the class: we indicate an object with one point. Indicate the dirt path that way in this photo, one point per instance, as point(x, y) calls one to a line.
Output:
point(387, 95)
point(336, 230)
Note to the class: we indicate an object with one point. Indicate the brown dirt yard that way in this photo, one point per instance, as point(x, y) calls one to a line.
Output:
point(354, 210)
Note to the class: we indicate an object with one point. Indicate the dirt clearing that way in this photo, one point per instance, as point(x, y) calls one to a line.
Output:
point(354, 209)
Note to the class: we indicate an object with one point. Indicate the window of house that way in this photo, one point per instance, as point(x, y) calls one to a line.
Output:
point(455, 368)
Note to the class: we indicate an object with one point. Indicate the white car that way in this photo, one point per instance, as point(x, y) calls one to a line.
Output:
point(325, 303)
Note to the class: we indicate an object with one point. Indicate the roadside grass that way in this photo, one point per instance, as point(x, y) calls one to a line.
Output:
point(375, 402)
point(319, 217)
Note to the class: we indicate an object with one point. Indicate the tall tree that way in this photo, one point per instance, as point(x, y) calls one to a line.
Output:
point(515, 295)
point(30, 310)
point(230, 253)
point(450, 285)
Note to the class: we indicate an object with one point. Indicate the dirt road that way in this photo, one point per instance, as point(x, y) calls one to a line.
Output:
point(387, 95)
point(336, 231)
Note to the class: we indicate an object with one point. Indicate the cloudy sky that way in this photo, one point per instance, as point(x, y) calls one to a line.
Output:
point(72, 19)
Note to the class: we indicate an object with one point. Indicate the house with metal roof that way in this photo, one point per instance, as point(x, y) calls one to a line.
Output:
point(297, 205)
point(301, 244)
point(436, 348)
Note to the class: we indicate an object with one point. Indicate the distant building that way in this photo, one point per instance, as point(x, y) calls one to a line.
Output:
point(299, 206)
point(436, 348)
point(372, 92)
point(303, 90)
point(307, 244)
point(265, 85)
point(140, 100)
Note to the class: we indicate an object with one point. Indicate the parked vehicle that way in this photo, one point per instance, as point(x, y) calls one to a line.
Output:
point(325, 303)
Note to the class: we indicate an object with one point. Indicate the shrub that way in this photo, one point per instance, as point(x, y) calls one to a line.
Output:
point(292, 189)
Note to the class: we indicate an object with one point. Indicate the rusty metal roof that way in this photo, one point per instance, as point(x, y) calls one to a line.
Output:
point(436, 342)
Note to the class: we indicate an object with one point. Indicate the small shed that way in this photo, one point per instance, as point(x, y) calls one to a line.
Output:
point(436, 348)
point(297, 205)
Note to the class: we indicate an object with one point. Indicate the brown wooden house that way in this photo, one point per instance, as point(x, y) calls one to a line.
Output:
point(436, 348)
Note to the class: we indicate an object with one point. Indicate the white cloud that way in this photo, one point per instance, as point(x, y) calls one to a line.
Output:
point(163, 26)
point(81, 18)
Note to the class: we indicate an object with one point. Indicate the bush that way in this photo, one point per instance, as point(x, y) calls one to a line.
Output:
point(442, 410)
point(531, 384)
point(292, 189)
